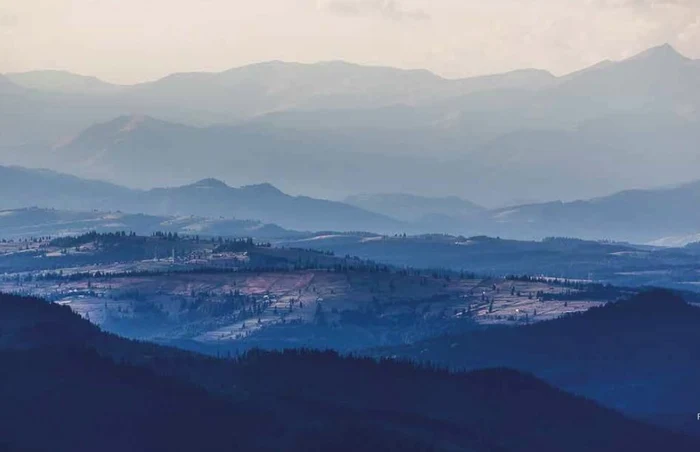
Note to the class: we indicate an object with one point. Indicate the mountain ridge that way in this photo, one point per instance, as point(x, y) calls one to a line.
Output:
point(262, 202)
point(62, 81)
point(359, 126)
point(134, 380)
point(665, 50)
point(638, 216)
point(596, 352)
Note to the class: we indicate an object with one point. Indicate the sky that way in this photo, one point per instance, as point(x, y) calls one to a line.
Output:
point(129, 41)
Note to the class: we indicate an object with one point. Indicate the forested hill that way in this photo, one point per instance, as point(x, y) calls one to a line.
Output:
point(66, 386)
point(639, 355)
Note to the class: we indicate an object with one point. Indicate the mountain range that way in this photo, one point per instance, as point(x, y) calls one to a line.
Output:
point(661, 215)
point(664, 216)
point(335, 129)
point(207, 200)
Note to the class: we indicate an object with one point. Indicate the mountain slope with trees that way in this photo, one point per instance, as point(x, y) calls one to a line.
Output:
point(294, 400)
point(638, 355)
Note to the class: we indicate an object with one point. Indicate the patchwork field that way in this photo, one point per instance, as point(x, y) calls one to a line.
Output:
point(227, 307)
point(218, 294)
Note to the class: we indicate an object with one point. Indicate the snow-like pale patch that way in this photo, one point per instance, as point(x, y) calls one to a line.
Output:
point(63, 142)
point(7, 213)
point(505, 214)
point(188, 223)
point(557, 278)
point(675, 241)
point(645, 273)
point(629, 253)
point(321, 237)
point(371, 239)
point(178, 220)
point(195, 227)
point(113, 216)
point(133, 123)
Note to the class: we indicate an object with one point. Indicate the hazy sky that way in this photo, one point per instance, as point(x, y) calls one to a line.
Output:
point(134, 40)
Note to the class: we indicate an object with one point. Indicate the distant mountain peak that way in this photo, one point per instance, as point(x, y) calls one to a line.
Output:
point(133, 122)
point(526, 72)
point(61, 81)
point(58, 73)
point(264, 188)
point(210, 182)
point(128, 123)
point(665, 52)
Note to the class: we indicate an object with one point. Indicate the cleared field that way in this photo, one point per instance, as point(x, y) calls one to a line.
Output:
point(236, 293)
point(222, 307)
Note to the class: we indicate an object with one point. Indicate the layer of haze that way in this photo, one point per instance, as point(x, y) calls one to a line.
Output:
point(127, 41)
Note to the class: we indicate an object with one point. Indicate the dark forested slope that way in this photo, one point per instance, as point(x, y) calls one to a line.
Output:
point(638, 355)
point(68, 386)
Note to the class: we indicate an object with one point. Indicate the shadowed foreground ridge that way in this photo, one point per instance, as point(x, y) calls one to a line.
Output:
point(638, 355)
point(66, 386)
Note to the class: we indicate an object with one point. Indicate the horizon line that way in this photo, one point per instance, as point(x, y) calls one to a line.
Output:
point(665, 45)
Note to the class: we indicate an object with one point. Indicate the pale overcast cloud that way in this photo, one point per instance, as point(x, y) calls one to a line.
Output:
point(133, 40)
point(389, 9)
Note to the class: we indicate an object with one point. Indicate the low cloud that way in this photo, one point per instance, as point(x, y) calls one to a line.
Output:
point(387, 9)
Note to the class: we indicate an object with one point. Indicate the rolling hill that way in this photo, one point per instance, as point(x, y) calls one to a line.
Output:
point(23, 187)
point(215, 294)
point(622, 264)
point(35, 222)
point(636, 355)
point(211, 197)
point(663, 216)
point(634, 215)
